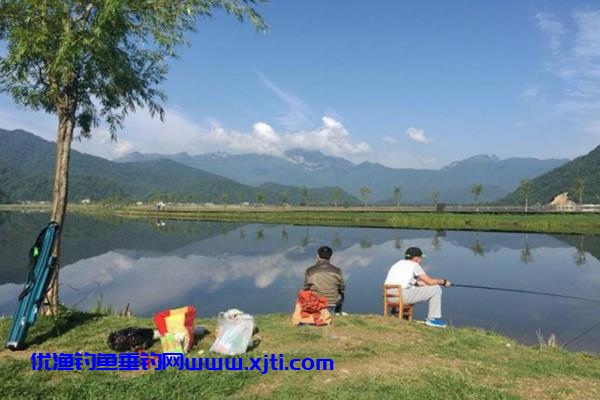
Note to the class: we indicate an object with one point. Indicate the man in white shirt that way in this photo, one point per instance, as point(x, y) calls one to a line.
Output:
point(417, 286)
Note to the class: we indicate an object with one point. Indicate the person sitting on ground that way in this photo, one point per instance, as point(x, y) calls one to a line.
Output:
point(325, 279)
point(417, 286)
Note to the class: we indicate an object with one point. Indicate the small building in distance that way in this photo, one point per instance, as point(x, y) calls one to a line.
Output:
point(562, 202)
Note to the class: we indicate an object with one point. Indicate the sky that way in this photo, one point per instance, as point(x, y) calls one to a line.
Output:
point(407, 84)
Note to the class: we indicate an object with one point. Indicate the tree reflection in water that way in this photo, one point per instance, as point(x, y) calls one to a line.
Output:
point(579, 256)
point(477, 248)
point(526, 255)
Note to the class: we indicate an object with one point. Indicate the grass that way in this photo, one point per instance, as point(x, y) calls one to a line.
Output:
point(384, 217)
point(375, 217)
point(375, 357)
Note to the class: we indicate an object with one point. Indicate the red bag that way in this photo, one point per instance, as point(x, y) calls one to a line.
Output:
point(179, 321)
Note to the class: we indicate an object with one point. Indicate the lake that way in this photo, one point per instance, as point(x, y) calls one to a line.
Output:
point(154, 265)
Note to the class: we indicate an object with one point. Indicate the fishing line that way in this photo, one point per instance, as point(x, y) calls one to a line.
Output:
point(582, 334)
point(86, 297)
point(579, 336)
point(527, 292)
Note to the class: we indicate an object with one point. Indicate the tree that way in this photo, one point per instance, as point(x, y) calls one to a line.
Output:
point(224, 197)
point(476, 192)
point(93, 61)
point(284, 196)
point(525, 189)
point(435, 197)
point(365, 192)
point(397, 194)
point(240, 197)
point(578, 186)
point(335, 193)
point(260, 197)
point(305, 196)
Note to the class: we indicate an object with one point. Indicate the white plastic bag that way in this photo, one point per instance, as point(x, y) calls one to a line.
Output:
point(234, 333)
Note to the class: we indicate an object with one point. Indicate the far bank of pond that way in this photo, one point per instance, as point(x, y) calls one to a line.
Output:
point(383, 217)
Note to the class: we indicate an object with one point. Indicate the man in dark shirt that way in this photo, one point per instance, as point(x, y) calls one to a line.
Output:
point(325, 279)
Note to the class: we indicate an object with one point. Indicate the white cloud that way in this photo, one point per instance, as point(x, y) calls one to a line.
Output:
point(587, 40)
point(123, 147)
point(298, 115)
point(534, 92)
point(418, 135)
point(389, 139)
point(179, 133)
point(331, 138)
point(574, 60)
point(552, 28)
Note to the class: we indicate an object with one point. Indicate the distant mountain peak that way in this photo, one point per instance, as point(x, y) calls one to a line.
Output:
point(476, 159)
point(484, 158)
point(303, 152)
point(221, 154)
point(312, 160)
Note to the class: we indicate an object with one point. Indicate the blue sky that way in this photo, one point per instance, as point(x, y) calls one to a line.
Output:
point(404, 83)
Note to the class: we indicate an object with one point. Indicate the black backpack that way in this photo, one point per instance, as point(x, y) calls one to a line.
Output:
point(131, 339)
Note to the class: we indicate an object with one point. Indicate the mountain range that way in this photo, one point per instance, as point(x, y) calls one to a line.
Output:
point(312, 168)
point(585, 169)
point(297, 177)
point(27, 169)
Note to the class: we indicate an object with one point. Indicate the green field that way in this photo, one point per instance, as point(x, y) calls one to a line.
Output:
point(374, 358)
point(409, 217)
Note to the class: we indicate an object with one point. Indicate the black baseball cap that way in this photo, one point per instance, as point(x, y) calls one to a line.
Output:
point(413, 252)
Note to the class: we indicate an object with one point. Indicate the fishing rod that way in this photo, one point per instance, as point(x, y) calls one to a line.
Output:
point(582, 334)
point(527, 292)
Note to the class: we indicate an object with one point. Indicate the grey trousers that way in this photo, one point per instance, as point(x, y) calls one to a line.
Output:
point(417, 294)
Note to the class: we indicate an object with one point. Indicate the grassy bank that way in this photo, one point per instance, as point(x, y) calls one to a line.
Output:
point(374, 357)
point(406, 217)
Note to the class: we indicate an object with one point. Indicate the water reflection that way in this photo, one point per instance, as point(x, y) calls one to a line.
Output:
point(398, 241)
point(436, 243)
point(336, 242)
point(579, 256)
point(260, 267)
point(526, 255)
point(477, 247)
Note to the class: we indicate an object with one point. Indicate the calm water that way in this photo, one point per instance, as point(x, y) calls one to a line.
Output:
point(154, 265)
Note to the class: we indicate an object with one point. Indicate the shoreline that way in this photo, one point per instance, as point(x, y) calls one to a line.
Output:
point(381, 217)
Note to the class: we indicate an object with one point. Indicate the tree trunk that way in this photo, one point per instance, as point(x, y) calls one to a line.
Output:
point(66, 125)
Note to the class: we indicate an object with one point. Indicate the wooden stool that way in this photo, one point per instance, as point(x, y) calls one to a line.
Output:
point(392, 299)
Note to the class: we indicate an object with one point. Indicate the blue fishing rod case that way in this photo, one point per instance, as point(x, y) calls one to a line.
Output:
point(41, 269)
